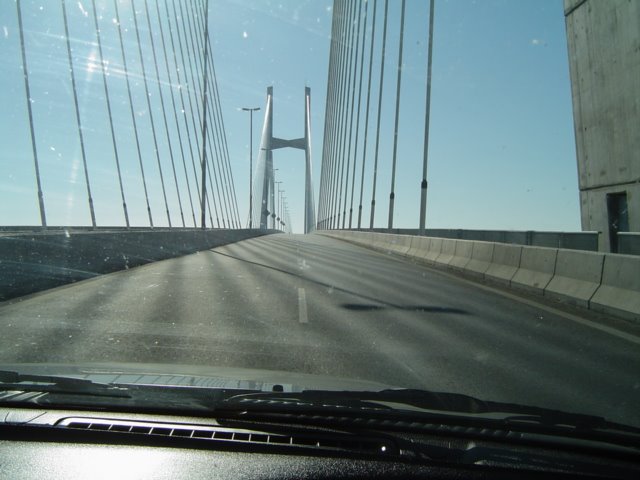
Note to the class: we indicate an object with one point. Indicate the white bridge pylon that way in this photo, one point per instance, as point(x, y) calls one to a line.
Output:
point(264, 182)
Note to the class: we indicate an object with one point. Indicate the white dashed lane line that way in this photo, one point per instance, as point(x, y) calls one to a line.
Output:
point(302, 306)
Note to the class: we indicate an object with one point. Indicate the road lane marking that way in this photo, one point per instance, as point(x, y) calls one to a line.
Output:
point(302, 306)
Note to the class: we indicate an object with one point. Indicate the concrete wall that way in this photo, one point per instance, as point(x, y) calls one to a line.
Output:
point(31, 261)
point(604, 59)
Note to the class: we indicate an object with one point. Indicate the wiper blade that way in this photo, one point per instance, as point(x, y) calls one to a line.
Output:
point(14, 381)
point(423, 402)
point(506, 412)
point(510, 413)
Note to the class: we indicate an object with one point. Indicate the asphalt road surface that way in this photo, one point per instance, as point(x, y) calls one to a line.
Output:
point(313, 304)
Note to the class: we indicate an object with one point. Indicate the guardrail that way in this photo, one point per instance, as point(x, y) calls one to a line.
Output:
point(603, 282)
point(569, 240)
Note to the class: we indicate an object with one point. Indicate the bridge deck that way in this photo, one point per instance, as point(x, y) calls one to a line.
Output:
point(313, 304)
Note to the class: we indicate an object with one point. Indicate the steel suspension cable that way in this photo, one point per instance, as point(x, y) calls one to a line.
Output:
point(148, 97)
point(216, 133)
point(334, 160)
point(345, 112)
point(227, 159)
point(204, 113)
point(204, 86)
point(198, 86)
point(353, 97)
point(217, 105)
point(164, 111)
point(366, 121)
point(77, 112)
point(355, 153)
point(345, 148)
point(175, 112)
point(340, 117)
point(427, 114)
point(333, 126)
point(25, 72)
point(183, 110)
point(226, 146)
point(132, 111)
point(375, 165)
point(193, 119)
point(335, 73)
point(327, 125)
point(397, 119)
point(327, 122)
point(109, 112)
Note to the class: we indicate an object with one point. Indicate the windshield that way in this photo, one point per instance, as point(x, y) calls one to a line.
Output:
point(340, 195)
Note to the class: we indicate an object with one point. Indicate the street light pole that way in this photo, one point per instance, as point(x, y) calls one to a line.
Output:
point(251, 110)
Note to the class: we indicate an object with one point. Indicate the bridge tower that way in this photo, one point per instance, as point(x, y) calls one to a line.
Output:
point(264, 183)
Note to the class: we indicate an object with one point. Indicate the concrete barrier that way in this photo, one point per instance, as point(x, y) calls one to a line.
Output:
point(619, 291)
point(435, 247)
point(447, 252)
point(462, 255)
point(39, 260)
point(365, 238)
point(504, 263)
point(419, 247)
point(380, 241)
point(481, 257)
point(399, 244)
point(577, 277)
point(369, 239)
point(537, 266)
point(353, 237)
point(361, 238)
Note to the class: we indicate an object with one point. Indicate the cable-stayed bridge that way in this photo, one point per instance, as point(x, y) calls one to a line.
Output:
point(153, 180)
point(124, 96)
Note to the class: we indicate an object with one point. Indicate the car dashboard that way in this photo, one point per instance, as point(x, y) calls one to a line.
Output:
point(72, 444)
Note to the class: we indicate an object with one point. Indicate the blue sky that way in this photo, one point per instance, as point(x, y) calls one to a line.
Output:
point(502, 153)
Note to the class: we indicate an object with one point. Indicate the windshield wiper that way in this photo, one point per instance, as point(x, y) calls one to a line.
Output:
point(14, 381)
point(446, 406)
